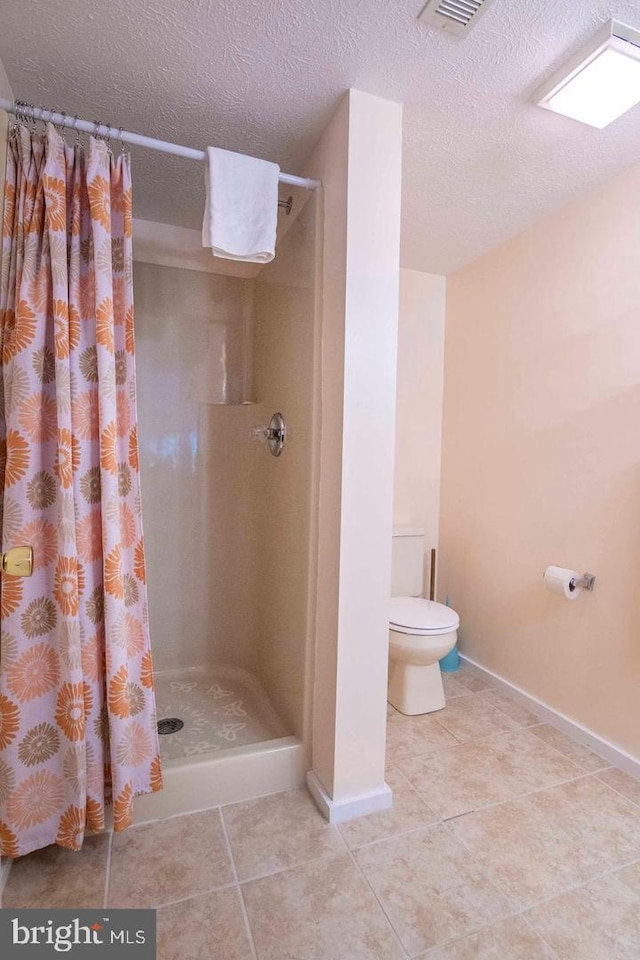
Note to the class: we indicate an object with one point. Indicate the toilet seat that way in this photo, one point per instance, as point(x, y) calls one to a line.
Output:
point(420, 617)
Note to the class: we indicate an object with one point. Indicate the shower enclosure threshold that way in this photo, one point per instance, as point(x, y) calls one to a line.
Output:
point(232, 745)
point(210, 780)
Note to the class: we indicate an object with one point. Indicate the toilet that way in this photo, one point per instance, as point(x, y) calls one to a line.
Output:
point(421, 631)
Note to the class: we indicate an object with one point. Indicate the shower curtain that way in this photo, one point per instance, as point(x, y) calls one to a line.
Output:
point(77, 708)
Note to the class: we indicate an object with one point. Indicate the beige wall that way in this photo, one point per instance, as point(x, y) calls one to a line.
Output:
point(284, 381)
point(541, 458)
point(5, 88)
point(328, 163)
point(419, 404)
point(359, 162)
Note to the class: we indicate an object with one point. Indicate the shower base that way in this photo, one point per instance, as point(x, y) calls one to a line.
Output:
point(232, 746)
point(220, 709)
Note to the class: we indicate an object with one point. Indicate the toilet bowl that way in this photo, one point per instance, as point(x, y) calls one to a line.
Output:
point(421, 632)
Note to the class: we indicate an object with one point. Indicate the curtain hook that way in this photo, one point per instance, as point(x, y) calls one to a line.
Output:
point(16, 119)
point(22, 117)
point(75, 127)
point(59, 125)
point(124, 147)
point(22, 113)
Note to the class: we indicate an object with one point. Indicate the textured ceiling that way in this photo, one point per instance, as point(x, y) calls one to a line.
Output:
point(263, 77)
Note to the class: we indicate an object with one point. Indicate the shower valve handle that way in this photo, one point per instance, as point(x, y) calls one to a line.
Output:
point(275, 434)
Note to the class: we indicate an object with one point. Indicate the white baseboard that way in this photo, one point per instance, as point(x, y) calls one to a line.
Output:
point(604, 748)
point(339, 811)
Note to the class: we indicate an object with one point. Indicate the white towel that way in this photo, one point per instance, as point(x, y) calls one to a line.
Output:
point(241, 214)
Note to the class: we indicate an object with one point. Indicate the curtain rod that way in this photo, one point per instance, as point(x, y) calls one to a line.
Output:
point(102, 129)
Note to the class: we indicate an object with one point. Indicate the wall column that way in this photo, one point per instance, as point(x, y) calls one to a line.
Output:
point(359, 162)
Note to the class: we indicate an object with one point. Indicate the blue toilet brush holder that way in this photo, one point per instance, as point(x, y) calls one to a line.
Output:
point(451, 662)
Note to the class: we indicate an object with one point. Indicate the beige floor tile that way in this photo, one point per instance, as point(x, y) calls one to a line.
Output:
point(542, 845)
point(430, 888)
point(473, 683)
point(631, 876)
point(625, 784)
point(54, 877)
point(473, 718)
point(598, 922)
point(409, 812)
point(414, 736)
point(472, 775)
point(511, 707)
point(318, 911)
point(157, 863)
point(511, 939)
point(584, 757)
point(205, 928)
point(276, 832)
point(453, 687)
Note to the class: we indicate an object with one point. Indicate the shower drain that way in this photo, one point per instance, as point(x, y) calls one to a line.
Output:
point(170, 725)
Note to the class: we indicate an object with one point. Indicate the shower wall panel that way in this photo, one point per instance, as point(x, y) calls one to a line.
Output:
point(196, 463)
point(284, 381)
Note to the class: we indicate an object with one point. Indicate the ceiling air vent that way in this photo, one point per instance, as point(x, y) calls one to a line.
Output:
point(454, 16)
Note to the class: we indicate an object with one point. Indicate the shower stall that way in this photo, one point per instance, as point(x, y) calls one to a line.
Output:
point(267, 577)
point(227, 525)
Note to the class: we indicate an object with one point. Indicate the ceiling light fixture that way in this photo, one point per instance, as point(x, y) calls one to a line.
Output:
point(601, 82)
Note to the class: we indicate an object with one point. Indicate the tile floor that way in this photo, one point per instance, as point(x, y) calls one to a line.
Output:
point(507, 841)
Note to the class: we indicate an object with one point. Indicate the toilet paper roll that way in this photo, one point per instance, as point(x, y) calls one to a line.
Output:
point(559, 580)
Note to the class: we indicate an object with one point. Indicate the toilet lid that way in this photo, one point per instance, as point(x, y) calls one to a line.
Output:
point(416, 615)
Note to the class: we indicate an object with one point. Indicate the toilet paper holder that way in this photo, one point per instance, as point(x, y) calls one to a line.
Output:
point(586, 582)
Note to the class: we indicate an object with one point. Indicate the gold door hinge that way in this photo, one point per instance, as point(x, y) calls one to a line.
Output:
point(18, 562)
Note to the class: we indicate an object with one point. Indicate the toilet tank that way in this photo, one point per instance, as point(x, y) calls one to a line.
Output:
point(407, 561)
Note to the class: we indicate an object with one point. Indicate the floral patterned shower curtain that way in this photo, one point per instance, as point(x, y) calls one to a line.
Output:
point(77, 709)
